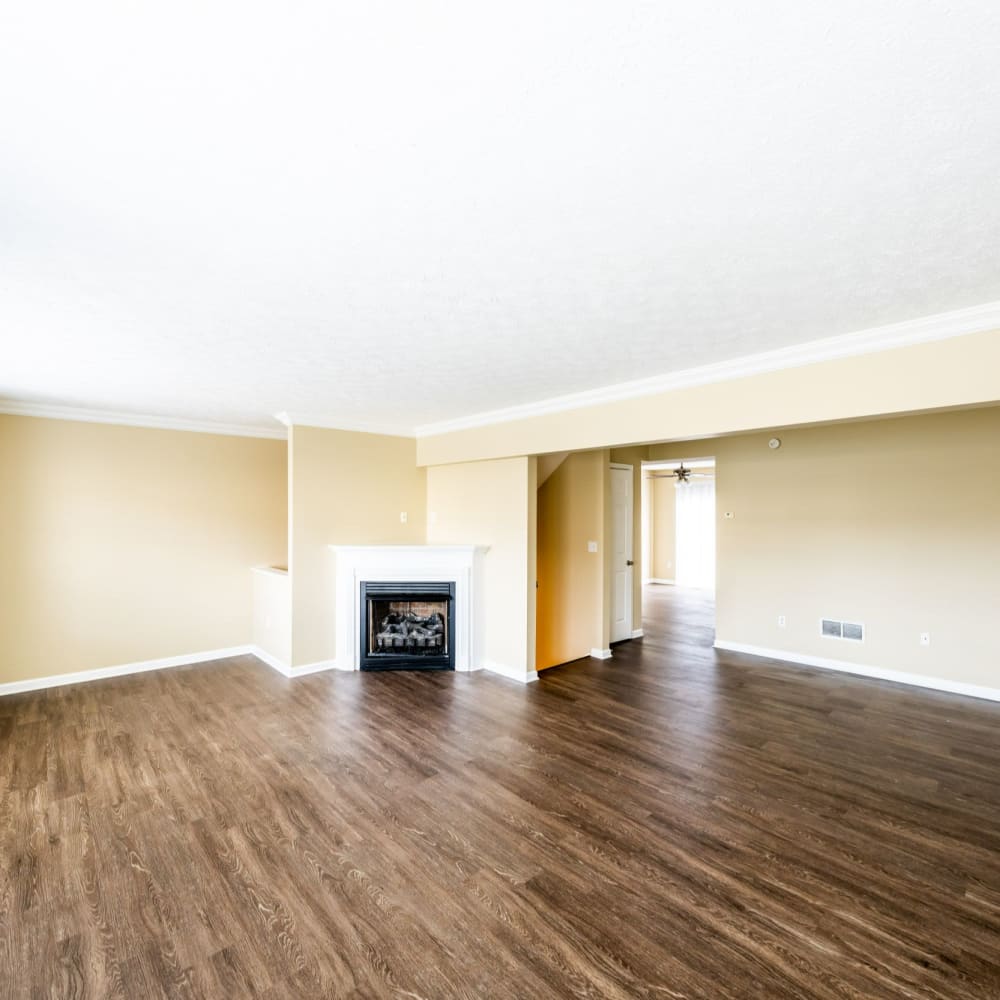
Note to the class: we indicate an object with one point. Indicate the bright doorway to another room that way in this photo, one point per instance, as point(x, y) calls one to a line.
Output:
point(678, 547)
point(695, 531)
point(678, 523)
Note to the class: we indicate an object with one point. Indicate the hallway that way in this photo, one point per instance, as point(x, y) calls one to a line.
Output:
point(678, 616)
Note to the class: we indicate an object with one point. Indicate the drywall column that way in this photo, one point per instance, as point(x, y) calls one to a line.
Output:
point(494, 504)
point(347, 488)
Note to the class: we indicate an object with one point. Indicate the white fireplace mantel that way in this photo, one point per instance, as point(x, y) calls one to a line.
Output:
point(461, 564)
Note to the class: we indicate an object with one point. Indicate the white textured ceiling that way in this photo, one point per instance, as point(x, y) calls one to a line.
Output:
point(404, 212)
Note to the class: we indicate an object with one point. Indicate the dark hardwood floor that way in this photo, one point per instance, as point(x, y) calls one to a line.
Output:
point(673, 823)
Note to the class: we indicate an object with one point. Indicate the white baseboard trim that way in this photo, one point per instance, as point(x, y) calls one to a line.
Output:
point(601, 654)
point(512, 673)
point(660, 579)
point(312, 668)
point(271, 661)
point(861, 670)
point(637, 633)
point(141, 667)
point(285, 670)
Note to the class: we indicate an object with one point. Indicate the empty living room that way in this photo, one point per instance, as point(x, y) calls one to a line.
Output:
point(500, 501)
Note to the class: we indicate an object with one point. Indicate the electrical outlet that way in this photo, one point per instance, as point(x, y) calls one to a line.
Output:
point(925, 638)
point(781, 621)
point(591, 546)
point(402, 517)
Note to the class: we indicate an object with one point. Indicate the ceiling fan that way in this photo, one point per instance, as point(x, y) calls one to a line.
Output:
point(682, 474)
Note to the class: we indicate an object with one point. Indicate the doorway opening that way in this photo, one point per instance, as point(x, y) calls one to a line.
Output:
point(679, 545)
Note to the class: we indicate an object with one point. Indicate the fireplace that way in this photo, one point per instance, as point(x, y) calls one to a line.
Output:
point(451, 573)
point(407, 626)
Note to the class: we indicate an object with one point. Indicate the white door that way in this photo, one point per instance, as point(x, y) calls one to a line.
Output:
point(621, 554)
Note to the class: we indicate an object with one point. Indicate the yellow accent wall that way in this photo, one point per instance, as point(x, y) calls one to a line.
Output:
point(892, 523)
point(345, 488)
point(124, 544)
point(494, 504)
point(570, 606)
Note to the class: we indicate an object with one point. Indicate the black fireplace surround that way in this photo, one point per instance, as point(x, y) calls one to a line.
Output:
point(407, 626)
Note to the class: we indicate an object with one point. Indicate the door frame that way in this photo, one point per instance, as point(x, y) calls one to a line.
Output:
point(630, 555)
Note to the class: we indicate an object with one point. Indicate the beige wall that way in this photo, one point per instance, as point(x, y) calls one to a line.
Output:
point(892, 523)
point(494, 504)
point(124, 544)
point(962, 371)
point(570, 578)
point(345, 488)
point(272, 612)
point(663, 528)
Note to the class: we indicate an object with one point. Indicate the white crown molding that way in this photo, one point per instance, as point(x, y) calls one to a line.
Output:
point(102, 673)
point(293, 419)
point(137, 420)
point(943, 326)
point(877, 673)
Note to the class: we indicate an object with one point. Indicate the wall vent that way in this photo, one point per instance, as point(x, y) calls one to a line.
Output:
point(842, 630)
point(854, 631)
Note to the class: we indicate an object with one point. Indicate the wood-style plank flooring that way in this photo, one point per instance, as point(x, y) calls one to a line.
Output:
point(673, 823)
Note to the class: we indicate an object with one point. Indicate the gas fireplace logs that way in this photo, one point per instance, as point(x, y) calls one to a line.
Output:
point(411, 633)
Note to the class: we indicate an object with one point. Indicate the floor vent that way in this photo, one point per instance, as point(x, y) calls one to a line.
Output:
point(842, 630)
